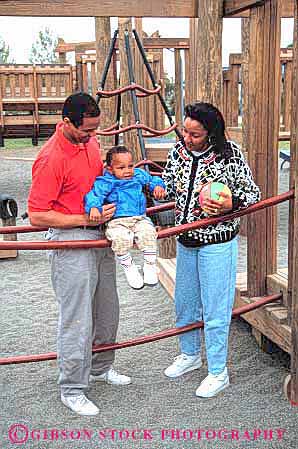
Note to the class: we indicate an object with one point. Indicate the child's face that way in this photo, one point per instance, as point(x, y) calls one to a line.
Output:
point(122, 166)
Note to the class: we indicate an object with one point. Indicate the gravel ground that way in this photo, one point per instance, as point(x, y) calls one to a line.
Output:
point(253, 413)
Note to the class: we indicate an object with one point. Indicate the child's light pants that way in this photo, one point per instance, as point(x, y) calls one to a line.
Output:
point(123, 232)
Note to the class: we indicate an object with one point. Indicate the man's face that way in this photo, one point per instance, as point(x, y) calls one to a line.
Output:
point(83, 133)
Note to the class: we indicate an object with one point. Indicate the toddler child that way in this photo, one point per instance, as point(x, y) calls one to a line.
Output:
point(122, 184)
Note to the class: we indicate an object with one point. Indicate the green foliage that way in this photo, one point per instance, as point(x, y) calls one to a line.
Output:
point(4, 53)
point(43, 50)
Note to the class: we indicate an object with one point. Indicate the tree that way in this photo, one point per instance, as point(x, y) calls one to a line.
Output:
point(43, 50)
point(4, 53)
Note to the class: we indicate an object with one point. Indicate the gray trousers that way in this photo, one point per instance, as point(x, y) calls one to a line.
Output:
point(84, 281)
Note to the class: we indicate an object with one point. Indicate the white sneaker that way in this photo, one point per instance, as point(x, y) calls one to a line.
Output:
point(80, 405)
point(150, 273)
point(213, 384)
point(111, 377)
point(182, 364)
point(133, 276)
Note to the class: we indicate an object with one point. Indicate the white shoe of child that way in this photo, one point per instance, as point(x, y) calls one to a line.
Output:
point(150, 273)
point(133, 276)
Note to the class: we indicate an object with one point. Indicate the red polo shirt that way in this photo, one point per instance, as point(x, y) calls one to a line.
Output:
point(63, 173)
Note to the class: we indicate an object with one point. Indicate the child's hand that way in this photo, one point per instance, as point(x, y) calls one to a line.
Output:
point(95, 215)
point(159, 193)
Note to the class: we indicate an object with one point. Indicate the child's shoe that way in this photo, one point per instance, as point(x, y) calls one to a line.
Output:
point(133, 276)
point(150, 273)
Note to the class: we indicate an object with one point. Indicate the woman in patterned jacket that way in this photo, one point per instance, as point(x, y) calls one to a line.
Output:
point(206, 257)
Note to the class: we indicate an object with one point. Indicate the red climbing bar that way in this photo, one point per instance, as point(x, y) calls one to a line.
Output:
point(258, 302)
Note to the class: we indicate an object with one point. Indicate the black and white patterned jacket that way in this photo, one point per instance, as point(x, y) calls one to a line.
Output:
point(184, 175)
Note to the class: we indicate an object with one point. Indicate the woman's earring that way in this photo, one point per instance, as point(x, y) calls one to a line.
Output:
point(211, 140)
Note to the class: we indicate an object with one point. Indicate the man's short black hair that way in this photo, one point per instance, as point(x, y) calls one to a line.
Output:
point(79, 105)
point(118, 149)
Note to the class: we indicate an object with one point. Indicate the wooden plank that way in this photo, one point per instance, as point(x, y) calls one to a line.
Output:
point(233, 7)
point(91, 8)
point(276, 283)
point(148, 43)
point(263, 321)
point(264, 95)
point(240, 8)
point(167, 274)
point(8, 253)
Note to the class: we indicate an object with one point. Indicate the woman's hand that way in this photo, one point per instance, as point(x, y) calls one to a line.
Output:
point(159, 193)
point(218, 207)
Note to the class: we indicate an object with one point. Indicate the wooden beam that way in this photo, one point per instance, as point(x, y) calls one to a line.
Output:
point(241, 8)
point(98, 8)
point(233, 7)
point(148, 42)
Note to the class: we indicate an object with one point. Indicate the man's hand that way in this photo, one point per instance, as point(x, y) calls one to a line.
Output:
point(95, 215)
point(108, 211)
point(159, 193)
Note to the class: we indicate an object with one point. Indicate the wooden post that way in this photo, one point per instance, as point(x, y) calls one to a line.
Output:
point(130, 138)
point(9, 253)
point(234, 93)
point(187, 95)
point(293, 222)
point(207, 67)
point(139, 66)
point(264, 102)
point(287, 95)
point(191, 87)
point(244, 79)
point(178, 89)
point(107, 105)
point(79, 73)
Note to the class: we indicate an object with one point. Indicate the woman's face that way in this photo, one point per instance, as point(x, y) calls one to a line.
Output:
point(195, 135)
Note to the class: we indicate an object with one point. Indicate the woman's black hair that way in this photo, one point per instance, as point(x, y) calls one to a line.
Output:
point(80, 105)
point(118, 149)
point(212, 120)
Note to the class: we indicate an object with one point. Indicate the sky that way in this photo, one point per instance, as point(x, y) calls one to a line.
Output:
point(21, 32)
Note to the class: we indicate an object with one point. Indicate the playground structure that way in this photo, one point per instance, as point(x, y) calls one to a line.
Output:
point(31, 99)
point(261, 124)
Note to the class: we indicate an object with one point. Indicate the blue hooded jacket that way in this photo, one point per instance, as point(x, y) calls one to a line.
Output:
point(127, 194)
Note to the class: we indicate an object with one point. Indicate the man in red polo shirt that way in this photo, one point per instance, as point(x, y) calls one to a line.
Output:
point(83, 280)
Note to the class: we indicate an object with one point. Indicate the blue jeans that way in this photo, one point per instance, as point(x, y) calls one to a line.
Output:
point(204, 290)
